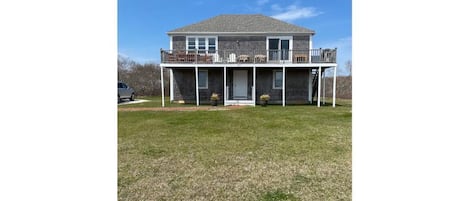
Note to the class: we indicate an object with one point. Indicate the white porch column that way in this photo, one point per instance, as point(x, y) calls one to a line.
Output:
point(162, 86)
point(224, 85)
point(310, 86)
point(283, 86)
point(324, 87)
point(171, 88)
point(197, 85)
point(319, 86)
point(334, 86)
point(254, 85)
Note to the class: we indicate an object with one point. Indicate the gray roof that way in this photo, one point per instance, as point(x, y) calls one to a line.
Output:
point(241, 24)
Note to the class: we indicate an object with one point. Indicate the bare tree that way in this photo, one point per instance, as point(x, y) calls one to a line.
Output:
point(348, 66)
point(144, 79)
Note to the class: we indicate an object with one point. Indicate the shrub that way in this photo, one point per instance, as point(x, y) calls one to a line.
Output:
point(265, 97)
point(214, 97)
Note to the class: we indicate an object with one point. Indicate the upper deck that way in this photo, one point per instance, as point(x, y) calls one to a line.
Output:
point(217, 57)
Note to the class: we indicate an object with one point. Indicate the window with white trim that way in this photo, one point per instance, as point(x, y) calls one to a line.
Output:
point(201, 45)
point(203, 79)
point(277, 79)
point(212, 45)
point(205, 44)
point(191, 44)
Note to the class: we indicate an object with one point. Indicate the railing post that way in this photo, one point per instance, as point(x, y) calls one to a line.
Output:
point(161, 55)
point(335, 55)
point(320, 55)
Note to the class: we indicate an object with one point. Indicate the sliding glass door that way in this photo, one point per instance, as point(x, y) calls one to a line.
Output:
point(279, 48)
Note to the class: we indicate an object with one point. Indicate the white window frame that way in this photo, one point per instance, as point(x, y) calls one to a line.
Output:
point(290, 45)
point(206, 80)
point(206, 43)
point(187, 44)
point(273, 79)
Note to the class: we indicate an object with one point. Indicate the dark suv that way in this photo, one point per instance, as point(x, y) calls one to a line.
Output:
point(124, 91)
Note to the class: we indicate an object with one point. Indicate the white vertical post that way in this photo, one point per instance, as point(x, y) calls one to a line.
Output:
point(171, 82)
point(283, 86)
point(324, 88)
point(197, 85)
point(162, 86)
point(334, 86)
point(310, 86)
point(310, 49)
point(254, 85)
point(319, 86)
point(224, 85)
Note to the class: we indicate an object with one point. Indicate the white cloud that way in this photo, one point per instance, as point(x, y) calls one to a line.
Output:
point(262, 2)
point(294, 12)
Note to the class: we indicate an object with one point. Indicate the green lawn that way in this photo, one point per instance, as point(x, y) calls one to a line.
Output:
point(254, 153)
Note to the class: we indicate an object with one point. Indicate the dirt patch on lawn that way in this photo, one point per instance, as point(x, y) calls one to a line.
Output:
point(206, 108)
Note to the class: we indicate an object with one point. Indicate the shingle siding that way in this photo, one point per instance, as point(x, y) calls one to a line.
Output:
point(179, 42)
point(301, 42)
point(184, 85)
point(241, 44)
point(245, 44)
point(296, 85)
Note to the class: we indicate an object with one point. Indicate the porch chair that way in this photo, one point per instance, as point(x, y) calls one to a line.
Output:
point(232, 58)
point(217, 58)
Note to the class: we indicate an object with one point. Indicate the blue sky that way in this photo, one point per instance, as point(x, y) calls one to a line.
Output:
point(142, 24)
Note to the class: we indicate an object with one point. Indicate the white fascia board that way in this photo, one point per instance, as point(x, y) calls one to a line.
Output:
point(240, 33)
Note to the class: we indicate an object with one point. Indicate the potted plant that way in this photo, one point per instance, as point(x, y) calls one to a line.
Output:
point(264, 99)
point(214, 99)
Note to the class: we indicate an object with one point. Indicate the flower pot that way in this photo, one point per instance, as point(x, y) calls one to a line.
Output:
point(264, 103)
point(214, 103)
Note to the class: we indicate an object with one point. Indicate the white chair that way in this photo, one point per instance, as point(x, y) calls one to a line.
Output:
point(232, 58)
point(217, 58)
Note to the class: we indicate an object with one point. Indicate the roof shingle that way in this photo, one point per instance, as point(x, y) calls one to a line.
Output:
point(241, 24)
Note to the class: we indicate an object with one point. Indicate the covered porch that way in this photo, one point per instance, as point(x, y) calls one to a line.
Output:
point(243, 84)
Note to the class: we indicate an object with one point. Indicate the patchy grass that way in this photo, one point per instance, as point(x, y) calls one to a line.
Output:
point(277, 196)
point(254, 153)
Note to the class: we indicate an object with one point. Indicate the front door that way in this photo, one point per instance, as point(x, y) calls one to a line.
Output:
point(240, 84)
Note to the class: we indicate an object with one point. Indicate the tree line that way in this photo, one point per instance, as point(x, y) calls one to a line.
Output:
point(143, 78)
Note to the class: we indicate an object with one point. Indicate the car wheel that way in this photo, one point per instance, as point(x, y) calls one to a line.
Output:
point(118, 99)
point(132, 97)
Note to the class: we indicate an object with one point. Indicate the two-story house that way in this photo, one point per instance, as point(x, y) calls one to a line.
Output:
point(242, 57)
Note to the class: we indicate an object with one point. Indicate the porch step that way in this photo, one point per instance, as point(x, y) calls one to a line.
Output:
point(239, 102)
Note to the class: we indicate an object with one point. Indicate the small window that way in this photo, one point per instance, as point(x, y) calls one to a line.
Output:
point(212, 45)
point(203, 79)
point(278, 79)
point(201, 45)
point(191, 44)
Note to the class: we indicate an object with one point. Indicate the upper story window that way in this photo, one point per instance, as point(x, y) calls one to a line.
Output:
point(191, 44)
point(204, 44)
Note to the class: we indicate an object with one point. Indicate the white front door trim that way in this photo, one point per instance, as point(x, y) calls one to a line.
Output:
point(240, 84)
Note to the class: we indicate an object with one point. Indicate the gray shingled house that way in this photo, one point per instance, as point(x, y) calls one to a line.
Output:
point(241, 57)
